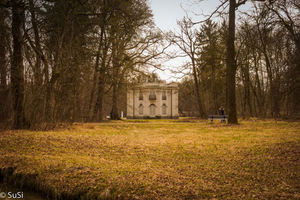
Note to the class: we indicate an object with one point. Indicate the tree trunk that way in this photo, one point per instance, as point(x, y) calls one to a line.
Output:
point(17, 68)
point(276, 97)
point(114, 113)
point(274, 88)
point(247, 97)
point(98, 108)
point(50, 110)
point(115, 110)
point(98, 79)
point(231, 67)
point(37, 69)
point(4, 106)
point(259, 94)
point(3, 49)
point(202, 112)
point(50, 90)
point(214, 91)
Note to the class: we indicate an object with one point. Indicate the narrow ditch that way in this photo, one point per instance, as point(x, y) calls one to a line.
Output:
point(10, 187)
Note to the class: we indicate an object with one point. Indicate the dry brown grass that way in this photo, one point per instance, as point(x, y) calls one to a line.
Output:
point(158, 159)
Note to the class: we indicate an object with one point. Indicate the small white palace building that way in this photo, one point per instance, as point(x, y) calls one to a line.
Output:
point(153, 100)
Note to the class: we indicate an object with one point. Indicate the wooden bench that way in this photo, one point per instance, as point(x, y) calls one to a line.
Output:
point(223, 118)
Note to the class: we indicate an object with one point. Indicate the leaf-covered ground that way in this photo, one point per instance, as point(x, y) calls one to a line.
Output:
point(157, 159)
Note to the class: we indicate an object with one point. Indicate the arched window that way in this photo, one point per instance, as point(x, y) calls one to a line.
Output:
point(152, 110)
point(141, 109)
point(164, 109)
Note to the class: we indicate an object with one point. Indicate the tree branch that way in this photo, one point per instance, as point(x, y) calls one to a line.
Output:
point(211, 15)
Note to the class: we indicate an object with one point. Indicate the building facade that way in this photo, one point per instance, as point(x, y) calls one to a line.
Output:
point(153, 100)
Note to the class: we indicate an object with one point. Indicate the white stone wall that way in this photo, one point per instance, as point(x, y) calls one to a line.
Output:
point(129, 103)
point(171, 102)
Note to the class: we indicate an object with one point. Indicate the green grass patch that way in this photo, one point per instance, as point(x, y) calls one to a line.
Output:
point(157, 159)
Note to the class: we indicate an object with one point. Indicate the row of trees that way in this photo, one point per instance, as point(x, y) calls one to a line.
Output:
point(266, 61)
point(72, 60)
point(60, 60)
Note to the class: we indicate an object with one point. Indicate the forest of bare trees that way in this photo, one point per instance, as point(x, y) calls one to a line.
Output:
point(266, 59)
point(61, 61)
point(66, 61)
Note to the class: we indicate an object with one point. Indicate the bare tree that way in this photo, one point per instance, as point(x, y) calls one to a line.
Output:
point(186, 40)
point(4, 108)
point(17, 68)
point(286, 14)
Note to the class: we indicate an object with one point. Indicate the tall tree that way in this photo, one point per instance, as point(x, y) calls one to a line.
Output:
point(120, 24)
point(17, 68)
point(4, 108)
point(286, 14)
point(3, 45)
point(210, 64)
point(186, 40)
point(231, 66)
point(101, 63)
point(134, 18)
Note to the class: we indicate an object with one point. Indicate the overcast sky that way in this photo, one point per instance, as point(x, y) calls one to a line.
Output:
point(167, 12)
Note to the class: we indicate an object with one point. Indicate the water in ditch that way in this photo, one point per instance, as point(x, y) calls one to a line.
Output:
point(8, 191)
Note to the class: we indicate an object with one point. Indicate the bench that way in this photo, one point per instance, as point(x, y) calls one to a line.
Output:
point(223, 118)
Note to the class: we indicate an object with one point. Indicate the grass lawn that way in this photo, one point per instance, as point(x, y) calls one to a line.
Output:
point(157, 159)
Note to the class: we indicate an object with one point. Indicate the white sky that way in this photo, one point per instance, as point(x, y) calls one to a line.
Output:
point(167, 12)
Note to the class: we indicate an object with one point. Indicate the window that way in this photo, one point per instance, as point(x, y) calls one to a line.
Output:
point(164, 96)
point(164, 109)
point(140, 95)
point(141, 109)
point(152, 95)
point(152, 110)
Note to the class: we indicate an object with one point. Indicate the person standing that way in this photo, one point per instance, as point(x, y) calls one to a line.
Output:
point(222, 112)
